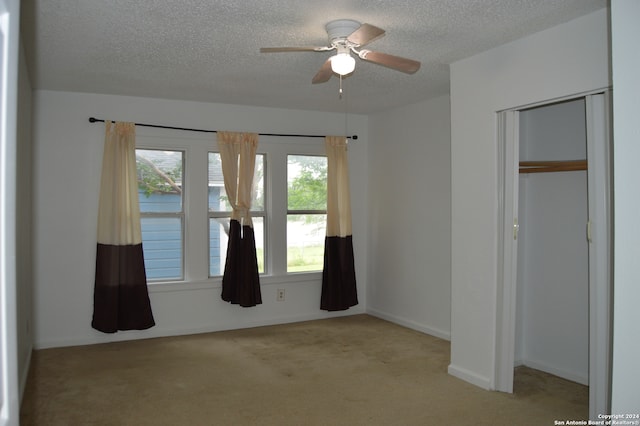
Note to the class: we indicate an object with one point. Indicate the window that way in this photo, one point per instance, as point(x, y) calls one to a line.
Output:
point(185, 211)
point(306, 212)
point(220, 214)
point(161, 211)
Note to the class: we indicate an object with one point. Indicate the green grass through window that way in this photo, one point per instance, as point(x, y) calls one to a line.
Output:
point(299, 259)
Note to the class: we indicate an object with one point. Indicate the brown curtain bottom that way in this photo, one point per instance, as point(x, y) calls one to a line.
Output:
point(241, 282)
point(120, 297)
point(338, 276)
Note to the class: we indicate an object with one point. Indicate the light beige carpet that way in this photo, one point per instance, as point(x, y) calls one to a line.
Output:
point(356, 370)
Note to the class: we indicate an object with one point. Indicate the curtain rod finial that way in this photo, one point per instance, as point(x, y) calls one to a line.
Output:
point(354, 137)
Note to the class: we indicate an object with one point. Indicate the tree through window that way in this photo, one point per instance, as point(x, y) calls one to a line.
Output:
point(306, 212)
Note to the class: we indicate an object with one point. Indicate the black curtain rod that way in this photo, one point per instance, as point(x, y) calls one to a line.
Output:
point(99, 120)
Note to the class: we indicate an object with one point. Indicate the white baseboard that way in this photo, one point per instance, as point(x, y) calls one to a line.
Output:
point(410, 324)
point(583, 379)
point(98, 338)
point(469, 376)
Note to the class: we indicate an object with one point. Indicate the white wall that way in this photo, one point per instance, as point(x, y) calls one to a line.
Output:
point(410, 196)
point(565, 60)
point(625, 15)
point(553, 253)
point(67, 163)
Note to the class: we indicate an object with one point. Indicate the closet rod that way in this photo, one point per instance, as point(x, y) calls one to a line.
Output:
point(158, 126)
point(552, 166)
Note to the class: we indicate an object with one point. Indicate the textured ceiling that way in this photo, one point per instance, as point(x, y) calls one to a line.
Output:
point(208, 50)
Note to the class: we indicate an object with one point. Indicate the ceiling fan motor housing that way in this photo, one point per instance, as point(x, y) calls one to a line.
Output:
point(341, 29)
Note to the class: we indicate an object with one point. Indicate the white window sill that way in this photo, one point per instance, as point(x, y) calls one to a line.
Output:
point(212, 283)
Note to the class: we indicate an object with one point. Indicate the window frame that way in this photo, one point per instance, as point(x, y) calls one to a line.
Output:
point(196, 147)
point(292, 212)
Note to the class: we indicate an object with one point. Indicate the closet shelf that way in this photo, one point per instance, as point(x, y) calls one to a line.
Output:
point(552, 166)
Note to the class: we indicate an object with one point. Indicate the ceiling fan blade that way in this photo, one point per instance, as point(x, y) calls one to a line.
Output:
point(365, 34)
point(296, 49)
point(324, 74)
point(405, 65)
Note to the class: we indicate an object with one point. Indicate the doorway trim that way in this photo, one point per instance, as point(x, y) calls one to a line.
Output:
point(9, 58)
point(599, 233)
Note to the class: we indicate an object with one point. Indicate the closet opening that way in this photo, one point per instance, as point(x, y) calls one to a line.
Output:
point(554, 282)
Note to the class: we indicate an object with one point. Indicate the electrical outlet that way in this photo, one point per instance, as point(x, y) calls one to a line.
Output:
point(280, 295)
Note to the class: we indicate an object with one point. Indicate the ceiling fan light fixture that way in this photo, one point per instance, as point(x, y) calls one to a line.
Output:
point(343, 63)
point(347, 36)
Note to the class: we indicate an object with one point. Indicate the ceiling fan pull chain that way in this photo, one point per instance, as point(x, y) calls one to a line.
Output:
point(340, 91)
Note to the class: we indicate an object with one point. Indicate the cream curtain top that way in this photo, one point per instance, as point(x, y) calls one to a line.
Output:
point(338, 192)
point(238, 155)
point(119, 209)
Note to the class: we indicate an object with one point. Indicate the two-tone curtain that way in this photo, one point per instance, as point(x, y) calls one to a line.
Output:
point(240, 282)
point(338, 276)
point(120, 297)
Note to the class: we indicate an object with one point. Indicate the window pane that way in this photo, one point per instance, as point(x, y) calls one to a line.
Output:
point(217, 195)
point(305, 242)
point(257, 203)
point(219, 238)
point(218, 200)
point(159, 180)
point(160, 193)
point(307, 182)
point(162, 246)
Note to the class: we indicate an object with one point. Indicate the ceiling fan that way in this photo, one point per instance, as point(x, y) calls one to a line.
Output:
point(346, 36)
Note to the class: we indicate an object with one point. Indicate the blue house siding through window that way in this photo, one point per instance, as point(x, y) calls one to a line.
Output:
point(162, 236)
